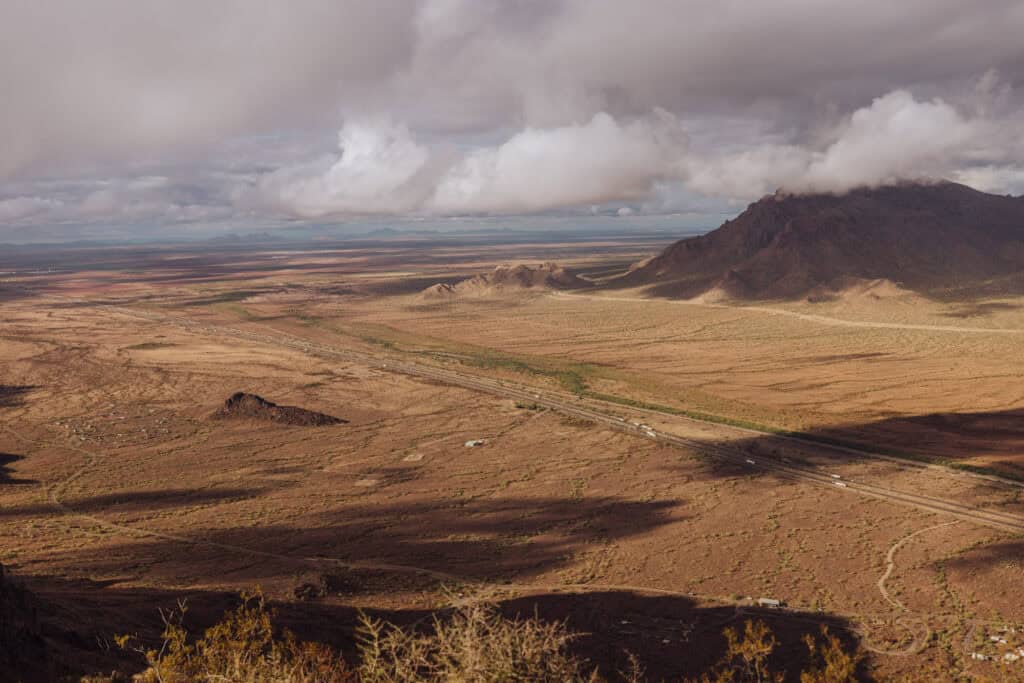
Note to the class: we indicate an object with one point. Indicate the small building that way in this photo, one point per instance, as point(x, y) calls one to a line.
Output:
point(473, 443)
point(770, 602)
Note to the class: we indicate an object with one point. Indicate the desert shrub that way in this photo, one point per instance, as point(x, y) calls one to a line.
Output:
point(242, 648)
point(830, 662)
point(746, 657)
point(475, 644)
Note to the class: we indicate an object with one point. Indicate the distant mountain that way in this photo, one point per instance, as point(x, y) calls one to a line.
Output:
point(235, 238)
point(509, 278)
point(939, 239)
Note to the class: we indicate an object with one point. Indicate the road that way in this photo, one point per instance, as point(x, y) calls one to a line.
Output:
point(808, 317)
point(1004, 521)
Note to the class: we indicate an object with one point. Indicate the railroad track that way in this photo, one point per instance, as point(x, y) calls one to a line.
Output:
point(724, 453)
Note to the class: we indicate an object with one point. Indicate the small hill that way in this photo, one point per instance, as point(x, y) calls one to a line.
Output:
point(243, 406)
point(442, 290)
point(936, 239)
point(545, 276)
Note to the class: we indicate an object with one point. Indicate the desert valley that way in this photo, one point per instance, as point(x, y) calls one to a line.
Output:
point(511, 341)
point(431, 422)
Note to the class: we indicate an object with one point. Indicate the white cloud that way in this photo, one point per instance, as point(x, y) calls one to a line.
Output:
point(375, 172)
point(537, 169)
point(896, 137)
point(19, 208)
point(382, 169)
point(993, 178)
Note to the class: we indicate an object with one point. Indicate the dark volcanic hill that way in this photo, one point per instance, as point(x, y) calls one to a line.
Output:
point(937, 239)
point(252, 407)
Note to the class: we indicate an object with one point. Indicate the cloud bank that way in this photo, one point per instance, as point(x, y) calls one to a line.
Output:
point(451, 107)
point(896, 137)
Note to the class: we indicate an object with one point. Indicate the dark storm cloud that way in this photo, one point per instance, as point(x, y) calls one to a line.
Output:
point(467, 106)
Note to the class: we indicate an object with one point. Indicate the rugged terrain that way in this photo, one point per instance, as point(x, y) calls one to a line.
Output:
point(939, 239)
point(507, 279)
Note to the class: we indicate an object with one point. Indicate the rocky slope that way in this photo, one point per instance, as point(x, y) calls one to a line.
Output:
point(545, 276)
point(936, 239)
point(245, 406)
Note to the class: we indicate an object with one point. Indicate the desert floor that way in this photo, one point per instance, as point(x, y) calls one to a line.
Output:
point(120, 492)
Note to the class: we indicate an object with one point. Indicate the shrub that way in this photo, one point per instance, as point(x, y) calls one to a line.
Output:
point(242, 648)
point(475, 644)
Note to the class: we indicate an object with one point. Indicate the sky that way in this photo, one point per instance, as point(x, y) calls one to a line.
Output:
point(194, 118)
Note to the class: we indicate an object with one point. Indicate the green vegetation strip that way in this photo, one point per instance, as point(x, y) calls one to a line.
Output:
point(573, 376)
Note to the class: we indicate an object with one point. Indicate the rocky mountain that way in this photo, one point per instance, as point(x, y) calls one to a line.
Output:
point(935, 239)
point(509, 278)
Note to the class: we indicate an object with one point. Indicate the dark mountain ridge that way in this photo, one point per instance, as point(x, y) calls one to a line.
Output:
point(936, 239)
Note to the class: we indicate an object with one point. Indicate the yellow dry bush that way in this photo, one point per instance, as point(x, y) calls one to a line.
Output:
point(476, 644)
point(242, 648)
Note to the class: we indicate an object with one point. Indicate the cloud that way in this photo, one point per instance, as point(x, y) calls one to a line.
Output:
point(19, 208)
point(896, 137)
point(468, 106)
point(381, 168)
point(376, 171)
point(109, 81)
point(143, 200)
point(539, 169)
point(993, 178)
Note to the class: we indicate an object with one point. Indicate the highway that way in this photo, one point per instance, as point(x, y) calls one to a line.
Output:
point(1004, 521)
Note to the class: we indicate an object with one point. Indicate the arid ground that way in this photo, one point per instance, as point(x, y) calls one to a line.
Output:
point(806, 452)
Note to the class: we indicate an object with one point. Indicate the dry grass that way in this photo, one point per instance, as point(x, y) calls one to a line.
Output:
point(242, 648)
point(474, 644)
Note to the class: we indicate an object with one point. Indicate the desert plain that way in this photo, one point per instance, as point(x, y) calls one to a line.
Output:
point(645, 469)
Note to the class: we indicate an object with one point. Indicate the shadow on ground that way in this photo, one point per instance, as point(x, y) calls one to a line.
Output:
point(988, 442)
point(12, 396)
point(133, 501)
point(1005, 554)
point(6, 477)
point(980, 309)
point(493, 540)
point(672, 637)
